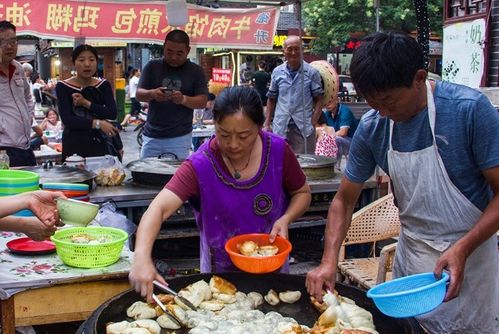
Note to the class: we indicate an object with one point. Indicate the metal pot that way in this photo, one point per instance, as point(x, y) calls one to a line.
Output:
point(316, 167)
point(155, 172)
point(114, 310)
point(50, 173)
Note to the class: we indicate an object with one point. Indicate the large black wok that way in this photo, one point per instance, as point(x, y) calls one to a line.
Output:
point(154, 172)
point(114, 310)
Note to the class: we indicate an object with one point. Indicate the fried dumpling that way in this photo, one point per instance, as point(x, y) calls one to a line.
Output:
point(141, 310)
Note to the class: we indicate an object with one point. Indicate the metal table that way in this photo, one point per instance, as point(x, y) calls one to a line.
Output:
point(129, 196)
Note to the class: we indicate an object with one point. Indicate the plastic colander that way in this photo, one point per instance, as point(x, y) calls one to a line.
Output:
point(88, 255)
point(409, 296)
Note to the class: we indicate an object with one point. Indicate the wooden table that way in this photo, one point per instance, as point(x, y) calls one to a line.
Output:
point(65, 302)
point(41, 289)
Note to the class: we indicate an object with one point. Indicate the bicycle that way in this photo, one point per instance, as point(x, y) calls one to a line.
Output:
point(142, 117)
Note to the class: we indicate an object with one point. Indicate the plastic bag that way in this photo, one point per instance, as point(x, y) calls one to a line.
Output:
point(109, 171)
point(108, 216)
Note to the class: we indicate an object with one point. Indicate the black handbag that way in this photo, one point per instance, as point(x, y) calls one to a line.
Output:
point(92, 94)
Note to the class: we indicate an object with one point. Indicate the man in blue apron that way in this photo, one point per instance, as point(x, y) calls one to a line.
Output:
point(439, 143)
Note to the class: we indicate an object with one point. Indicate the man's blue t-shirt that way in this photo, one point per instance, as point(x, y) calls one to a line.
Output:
point(343, 118)
point(467, 136)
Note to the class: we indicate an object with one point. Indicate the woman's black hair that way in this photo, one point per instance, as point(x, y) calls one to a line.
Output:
point(84, 47)
point(133, 72)
point(239, 98)
point(55, 111)
point(385, 61)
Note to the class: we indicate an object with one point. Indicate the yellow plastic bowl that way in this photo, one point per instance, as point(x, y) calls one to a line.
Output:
point(76, 213)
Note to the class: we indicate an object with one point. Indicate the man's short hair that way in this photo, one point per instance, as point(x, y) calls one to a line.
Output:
point(385, 61)
point(178, 36)
point(6, 25)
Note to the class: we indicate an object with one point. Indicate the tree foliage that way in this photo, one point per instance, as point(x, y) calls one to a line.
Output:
point(335, 21)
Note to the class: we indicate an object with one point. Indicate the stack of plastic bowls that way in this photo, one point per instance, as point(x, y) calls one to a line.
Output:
point(13, 182)
point(77, 191)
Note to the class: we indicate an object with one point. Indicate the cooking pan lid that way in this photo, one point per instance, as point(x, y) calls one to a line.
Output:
point(64, 174)
point(165, 164)
point(315, 161)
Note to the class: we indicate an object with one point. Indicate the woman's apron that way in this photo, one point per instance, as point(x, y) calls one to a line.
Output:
point(434, 214)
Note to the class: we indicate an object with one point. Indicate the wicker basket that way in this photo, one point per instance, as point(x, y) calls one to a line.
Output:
point(89, 255)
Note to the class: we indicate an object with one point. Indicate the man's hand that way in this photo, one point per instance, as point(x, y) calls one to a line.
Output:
point(160, 94)
point(453, 260)
point(177, 97)
point(321, 278)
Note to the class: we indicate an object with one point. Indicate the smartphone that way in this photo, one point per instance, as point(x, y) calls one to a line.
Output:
point(167, 90)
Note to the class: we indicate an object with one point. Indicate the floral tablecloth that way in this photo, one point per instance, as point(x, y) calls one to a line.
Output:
point(21, 272)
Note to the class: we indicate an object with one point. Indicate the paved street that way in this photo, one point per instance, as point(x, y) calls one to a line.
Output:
point(130, 145)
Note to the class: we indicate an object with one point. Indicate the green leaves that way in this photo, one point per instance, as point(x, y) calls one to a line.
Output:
point(334, 21)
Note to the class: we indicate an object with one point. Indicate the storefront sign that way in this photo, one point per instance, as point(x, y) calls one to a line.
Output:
point(463, 53)
point(141, 22)
point(221, 75)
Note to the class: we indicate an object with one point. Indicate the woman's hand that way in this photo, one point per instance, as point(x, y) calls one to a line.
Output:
point(35, 229)
point(142, 273)
point(280, 228)
point(42, 204)
point(80, 101)
point(108, 128)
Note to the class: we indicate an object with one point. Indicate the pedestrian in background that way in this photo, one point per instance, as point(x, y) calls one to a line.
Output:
point(133, 84)
point(16, 102)
point(86, 105)
point(341, 118)
point(261, 81)
point(294, 115)
point(173, 86)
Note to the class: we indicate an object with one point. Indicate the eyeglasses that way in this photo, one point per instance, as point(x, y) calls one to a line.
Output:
point(10, 41)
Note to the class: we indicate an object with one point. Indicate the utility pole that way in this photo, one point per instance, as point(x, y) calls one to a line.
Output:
point(376, 9)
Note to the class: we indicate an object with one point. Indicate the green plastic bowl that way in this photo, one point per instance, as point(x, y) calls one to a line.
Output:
point(76, 213)
point(18, 178)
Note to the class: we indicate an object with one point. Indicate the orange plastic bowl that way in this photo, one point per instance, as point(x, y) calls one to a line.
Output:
point(258, 264)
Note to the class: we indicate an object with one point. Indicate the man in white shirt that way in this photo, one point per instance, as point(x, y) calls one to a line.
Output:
point(132, 90)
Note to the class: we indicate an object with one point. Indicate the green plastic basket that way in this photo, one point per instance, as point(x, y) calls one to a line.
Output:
point(88, 255)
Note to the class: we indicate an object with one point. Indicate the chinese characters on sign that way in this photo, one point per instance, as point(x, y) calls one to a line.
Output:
point(221, 75)
point(142, 22)
point(463, 53)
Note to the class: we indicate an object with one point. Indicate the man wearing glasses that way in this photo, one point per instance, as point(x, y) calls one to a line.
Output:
point(16, 102)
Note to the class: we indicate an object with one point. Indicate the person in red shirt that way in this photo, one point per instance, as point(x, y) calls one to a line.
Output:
point(243, 180)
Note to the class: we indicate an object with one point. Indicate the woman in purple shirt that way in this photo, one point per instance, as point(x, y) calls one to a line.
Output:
point(238, 182)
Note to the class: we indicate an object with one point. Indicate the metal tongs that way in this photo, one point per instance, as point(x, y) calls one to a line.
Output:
point(178, 299)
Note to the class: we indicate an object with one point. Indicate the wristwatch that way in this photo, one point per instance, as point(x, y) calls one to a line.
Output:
point(97, 124)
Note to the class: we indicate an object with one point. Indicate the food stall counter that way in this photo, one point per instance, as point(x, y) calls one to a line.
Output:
point(41, 289)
